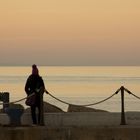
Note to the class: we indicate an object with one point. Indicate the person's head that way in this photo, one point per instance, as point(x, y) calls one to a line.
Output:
point(35, 70)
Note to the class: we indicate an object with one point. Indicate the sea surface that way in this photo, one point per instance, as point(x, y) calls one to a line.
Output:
point(77, 85)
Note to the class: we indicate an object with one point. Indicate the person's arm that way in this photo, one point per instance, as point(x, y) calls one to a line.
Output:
point(27, 89)
point(45, 90)
point(43, 85)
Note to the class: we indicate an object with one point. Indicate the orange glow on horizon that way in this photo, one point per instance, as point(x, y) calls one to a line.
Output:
point(64, 27)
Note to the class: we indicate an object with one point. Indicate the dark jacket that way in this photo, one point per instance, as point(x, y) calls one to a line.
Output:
point(33, 85)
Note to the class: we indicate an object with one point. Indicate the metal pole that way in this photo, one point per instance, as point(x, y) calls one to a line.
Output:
point(5, 100)
point(123, 122)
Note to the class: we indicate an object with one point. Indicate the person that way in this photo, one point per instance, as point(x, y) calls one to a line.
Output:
point(35, 84)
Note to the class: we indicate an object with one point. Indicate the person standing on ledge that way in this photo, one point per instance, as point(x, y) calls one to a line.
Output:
point(35, 84)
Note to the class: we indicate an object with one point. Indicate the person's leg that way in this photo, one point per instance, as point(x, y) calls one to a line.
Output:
point(38, 114)
point(33, 114)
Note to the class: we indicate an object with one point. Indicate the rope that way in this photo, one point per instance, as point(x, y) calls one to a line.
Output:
point(85, 104)
point(18, 100)
point(62, 100)
point(131, 93)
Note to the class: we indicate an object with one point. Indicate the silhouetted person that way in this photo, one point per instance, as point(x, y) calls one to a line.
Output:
point(35, 84)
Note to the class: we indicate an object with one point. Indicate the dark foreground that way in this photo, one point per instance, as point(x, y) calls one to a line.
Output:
point(70, 133)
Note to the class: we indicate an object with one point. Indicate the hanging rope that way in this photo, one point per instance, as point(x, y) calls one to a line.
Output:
point(131, 93)
point(85, 104)
point(18, 100)
point(62, 100)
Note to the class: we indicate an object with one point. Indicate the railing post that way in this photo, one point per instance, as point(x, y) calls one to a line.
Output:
point(123, 122)
point(4, 97)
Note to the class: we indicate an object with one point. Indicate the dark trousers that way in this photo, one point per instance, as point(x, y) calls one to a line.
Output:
point(35, 116)
point(38, 118)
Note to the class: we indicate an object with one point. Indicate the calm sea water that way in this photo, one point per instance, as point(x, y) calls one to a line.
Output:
point(77, 85)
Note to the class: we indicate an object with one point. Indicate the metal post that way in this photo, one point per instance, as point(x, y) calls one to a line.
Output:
point(123, 122)
point(5, 99)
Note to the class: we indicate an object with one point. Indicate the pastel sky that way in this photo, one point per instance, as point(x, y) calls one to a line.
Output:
point(70, 32)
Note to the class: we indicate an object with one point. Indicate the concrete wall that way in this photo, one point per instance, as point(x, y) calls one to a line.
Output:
point(86, 119)
point(75, 126)
point(94, 133)
point(70, 133)
point(21, 133)
point(80, 119)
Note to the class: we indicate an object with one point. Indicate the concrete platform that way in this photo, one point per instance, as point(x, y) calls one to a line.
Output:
point(74, 126)
point(79, 119)
point(70, 133)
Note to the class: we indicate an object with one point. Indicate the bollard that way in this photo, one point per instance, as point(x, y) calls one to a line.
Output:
point(123, 122)
point(15, 112)
point(4, 97)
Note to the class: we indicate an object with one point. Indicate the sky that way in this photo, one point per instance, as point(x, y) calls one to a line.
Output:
point(70, 32)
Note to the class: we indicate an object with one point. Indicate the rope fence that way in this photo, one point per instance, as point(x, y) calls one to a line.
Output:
point(91, 104)
point(67, 103)
point(131, 93)
point(16, 101)
point(121, 89)
point(48, 93)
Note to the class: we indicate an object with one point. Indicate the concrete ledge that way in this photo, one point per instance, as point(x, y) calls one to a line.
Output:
point(94, 133)
point(70, 133)
point(86, 119)
point(79, 119)
point(21, 133)
point(74, 126)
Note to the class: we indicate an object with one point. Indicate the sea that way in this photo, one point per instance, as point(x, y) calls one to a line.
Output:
point(77, 85)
